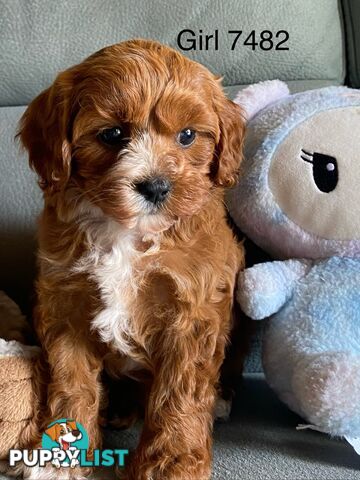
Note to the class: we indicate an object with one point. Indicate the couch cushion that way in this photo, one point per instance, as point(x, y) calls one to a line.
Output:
point(40, 38)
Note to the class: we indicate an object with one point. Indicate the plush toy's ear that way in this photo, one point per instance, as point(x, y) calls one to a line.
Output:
point(44, 131)
point(258, 96)
point(53, 432)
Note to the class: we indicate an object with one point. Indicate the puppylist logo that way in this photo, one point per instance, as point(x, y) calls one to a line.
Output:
point(65, 443)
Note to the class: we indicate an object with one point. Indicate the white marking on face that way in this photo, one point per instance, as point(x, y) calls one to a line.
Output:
point(138, 160)
point(136, 163)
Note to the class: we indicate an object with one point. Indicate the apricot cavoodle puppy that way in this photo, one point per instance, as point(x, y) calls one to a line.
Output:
point(134, 148)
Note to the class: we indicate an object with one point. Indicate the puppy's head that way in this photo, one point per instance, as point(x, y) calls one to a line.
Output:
point(137, 130)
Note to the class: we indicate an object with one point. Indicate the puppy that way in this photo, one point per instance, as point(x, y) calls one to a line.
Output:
point(134, 148)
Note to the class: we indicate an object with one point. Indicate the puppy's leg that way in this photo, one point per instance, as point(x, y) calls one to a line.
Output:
point(176, 441)
point(73, 392)
point(74, 389)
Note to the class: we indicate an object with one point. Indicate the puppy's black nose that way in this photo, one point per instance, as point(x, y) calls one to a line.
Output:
point(155, 190)
point(76, 433)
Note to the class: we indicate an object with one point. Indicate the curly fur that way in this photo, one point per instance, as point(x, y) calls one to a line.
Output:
point(146, 292)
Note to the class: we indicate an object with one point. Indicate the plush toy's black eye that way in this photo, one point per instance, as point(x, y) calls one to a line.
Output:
point(325, 170)
point(112, 136)
point(186, 137)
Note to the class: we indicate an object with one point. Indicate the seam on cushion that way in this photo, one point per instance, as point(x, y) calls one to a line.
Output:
point(15, 105)
point(336, 81)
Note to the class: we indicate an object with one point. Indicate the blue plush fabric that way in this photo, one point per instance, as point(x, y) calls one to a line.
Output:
point(313, 344)
point(266, 287)
point(311, 350)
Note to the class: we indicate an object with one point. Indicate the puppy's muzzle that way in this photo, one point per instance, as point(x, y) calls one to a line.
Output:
point(155, 190)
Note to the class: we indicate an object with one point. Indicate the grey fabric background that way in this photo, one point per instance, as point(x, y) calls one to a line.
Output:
point(40, 37)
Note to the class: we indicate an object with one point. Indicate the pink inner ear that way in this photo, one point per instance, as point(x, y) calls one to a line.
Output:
point(258, 96)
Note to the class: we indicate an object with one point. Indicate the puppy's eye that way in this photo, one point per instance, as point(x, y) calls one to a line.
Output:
point(186, 137)
point(112, 136)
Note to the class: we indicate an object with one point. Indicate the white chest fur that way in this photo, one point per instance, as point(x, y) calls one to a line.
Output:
point(109, 263)
point(113, 275)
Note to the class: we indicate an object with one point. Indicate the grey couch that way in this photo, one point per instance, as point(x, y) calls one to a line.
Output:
point(40, 37)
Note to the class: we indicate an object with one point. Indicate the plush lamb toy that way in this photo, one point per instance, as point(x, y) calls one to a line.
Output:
point(18, 399)
point(299, 200)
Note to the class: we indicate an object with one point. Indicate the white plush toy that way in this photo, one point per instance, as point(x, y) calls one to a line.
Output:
point(299, 200)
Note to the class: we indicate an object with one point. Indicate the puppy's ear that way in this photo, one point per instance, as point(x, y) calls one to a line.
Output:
point(53, 432)
point(44, 130)
point(228, 153)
